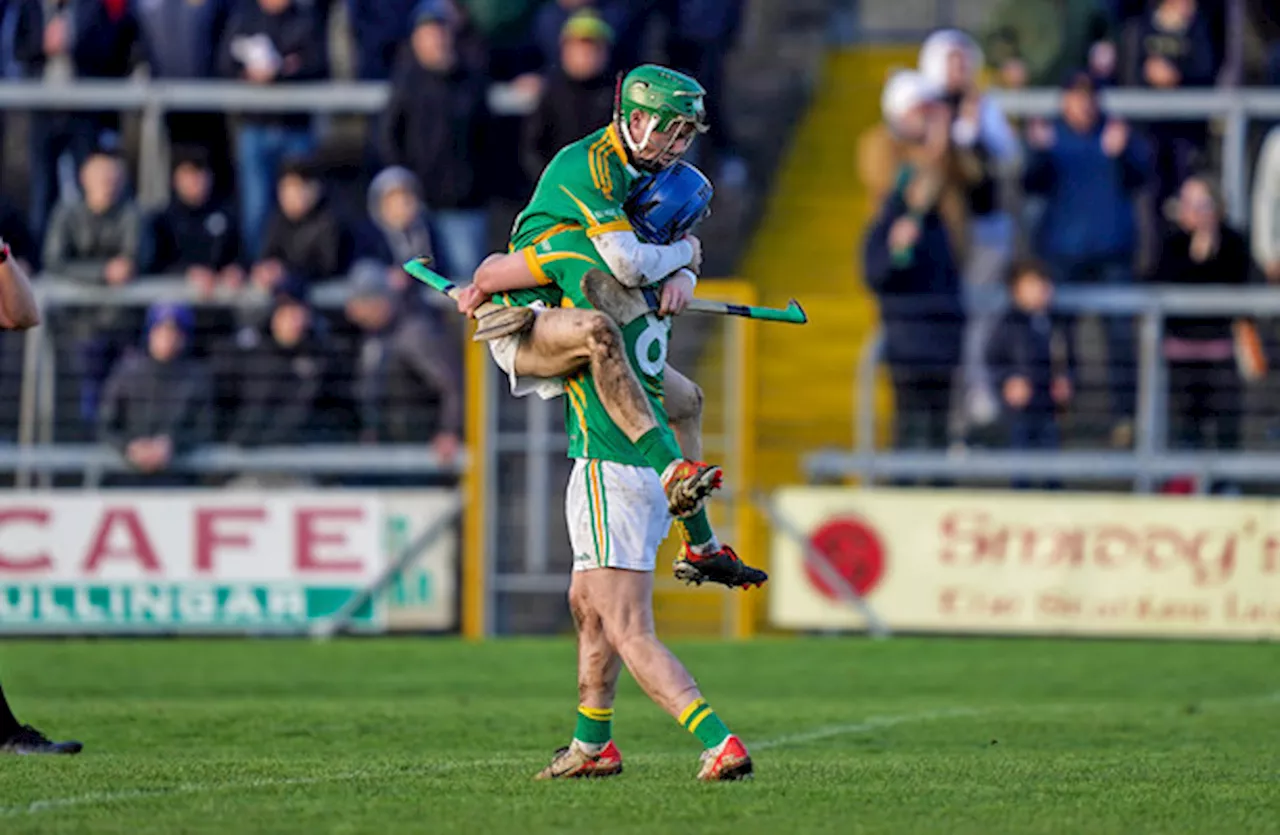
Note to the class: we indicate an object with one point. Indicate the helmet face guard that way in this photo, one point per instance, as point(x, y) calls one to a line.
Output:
point(665, 207)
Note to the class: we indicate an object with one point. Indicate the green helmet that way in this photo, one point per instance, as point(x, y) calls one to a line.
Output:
point(670, 98)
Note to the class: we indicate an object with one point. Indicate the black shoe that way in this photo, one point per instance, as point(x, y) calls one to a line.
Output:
point(27, 740)
point(722, 567)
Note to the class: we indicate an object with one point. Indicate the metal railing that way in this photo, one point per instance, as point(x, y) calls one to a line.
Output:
point(153, 99)
point(36, 455)
point(1149, 461)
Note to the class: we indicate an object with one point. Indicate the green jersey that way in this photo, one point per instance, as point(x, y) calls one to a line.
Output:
point(592, 433)
point(583, 188)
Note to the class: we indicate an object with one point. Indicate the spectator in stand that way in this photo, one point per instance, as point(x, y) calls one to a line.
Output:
point(406, 386)
point(701, 34)
point(14, 231)
point(1034, 43)
point(1266, 207)
point(1033, 384)
point(195, 234)
point(950, 59)
point(181, 41)
point(305, 240)
point(283, 372)
point(1175, 51)
point(58, 40)
point(157, 404)
point(1205, 393)
point(627, 18)
point(398, 227)
point(579, 94)
point(434, 126)
point(908, 262)
point(269, 42)
point(379, 28)
point(94, 240)
point(1088, 169)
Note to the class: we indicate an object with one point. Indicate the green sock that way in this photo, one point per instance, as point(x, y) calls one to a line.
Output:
point(595, 725)
point(696, 531)
point(701, 721)
point(659, 448)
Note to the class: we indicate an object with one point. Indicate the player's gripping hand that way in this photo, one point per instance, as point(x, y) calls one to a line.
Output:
point(677, 292)
point(469, 300)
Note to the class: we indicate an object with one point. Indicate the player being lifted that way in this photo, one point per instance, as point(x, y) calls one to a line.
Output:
point(18, 311)
point(577, 221)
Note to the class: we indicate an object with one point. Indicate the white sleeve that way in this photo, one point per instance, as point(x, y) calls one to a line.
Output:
point(635, 264)
point(1266, 195)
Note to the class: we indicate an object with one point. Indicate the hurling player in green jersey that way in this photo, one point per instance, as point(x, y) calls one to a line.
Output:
point(615, 507)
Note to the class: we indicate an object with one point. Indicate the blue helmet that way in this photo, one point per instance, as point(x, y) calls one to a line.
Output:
point(665, 206)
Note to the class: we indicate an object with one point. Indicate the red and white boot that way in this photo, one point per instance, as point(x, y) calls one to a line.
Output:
point(727, 761)
point(575, 761)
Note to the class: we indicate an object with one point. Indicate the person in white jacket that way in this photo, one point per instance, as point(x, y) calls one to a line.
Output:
point(1266, 207)
point(951, 59)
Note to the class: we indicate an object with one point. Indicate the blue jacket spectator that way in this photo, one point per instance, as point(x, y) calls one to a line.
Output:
point(269, 42)
point(380, 28)
point(434, 126)
point(907, 261)
point(1088, 171)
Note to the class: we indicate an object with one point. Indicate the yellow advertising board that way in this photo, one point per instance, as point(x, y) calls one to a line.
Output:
point(1027, 563)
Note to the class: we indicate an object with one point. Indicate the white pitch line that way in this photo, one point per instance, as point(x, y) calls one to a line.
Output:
point(868, 725)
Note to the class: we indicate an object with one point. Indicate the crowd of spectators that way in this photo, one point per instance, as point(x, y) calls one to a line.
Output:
point(256, 217)
point(967, 197)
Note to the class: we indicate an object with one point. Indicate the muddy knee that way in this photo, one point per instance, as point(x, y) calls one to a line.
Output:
point(688, 407)
point(602, 335)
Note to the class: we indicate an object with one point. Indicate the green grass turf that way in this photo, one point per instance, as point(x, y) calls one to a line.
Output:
point(437, 736)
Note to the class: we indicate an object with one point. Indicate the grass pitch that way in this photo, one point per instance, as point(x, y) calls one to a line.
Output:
point(437, 736)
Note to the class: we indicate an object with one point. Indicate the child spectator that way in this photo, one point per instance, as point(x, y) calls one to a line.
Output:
point(397, 229)
point(304, 238)
point(1033, 387)
point(157, 404)
point(95, 240)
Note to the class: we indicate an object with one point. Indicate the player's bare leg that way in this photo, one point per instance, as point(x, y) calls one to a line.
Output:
point(703, 558)
point(684, 411)
point(624, 601)
point(565, 341)
point(591, 753)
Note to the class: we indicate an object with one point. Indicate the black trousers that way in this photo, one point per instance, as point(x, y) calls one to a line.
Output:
point(923, 397)
point(1206, 405)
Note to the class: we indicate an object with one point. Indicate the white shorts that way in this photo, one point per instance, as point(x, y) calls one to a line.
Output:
point(617, 516)
point(504, 351)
